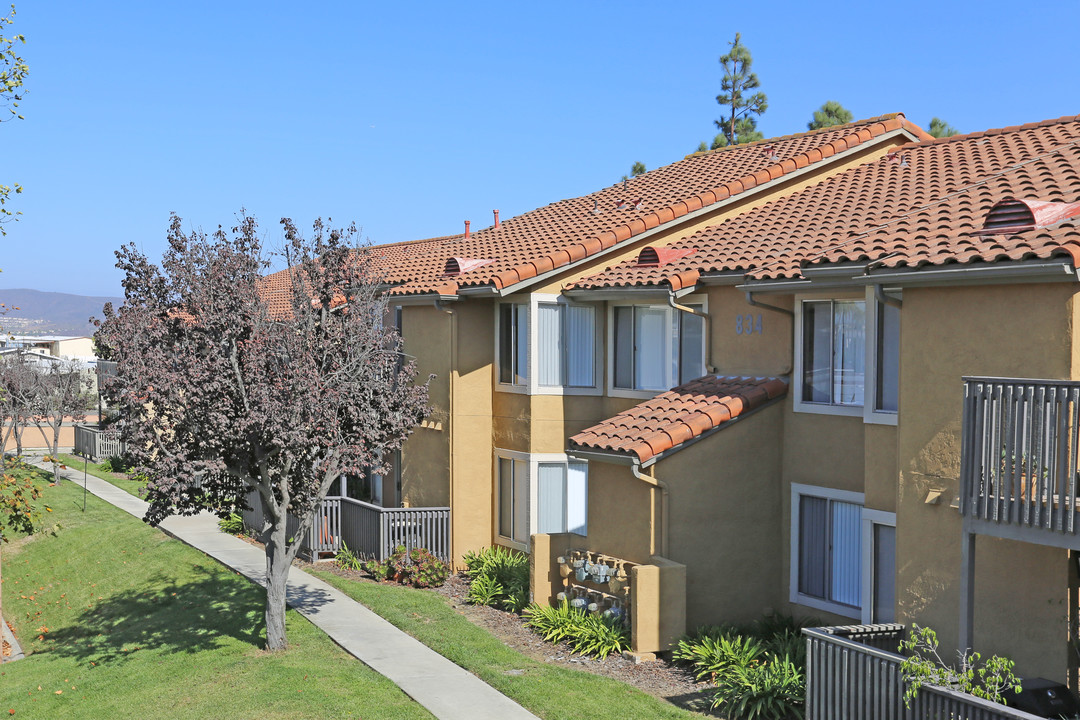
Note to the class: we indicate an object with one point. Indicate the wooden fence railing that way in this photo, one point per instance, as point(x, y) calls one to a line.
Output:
point(97, 444)
point(849, 676)
point(368, 530)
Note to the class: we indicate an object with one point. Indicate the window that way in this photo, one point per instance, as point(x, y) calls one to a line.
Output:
point(513, 496)
point(656, 347)
point(562, 491)
point(834, 350)
point(513, 344)
point(566, 336)
point(547, 346)
point(539, 493)
point(848, 358)
point(826, 549)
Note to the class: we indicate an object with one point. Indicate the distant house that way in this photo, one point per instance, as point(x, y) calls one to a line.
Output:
point(63, 346)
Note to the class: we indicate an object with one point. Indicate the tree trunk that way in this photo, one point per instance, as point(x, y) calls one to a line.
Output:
point(277, 574)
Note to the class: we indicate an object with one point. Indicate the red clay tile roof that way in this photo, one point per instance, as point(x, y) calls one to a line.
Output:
point(683, 413)
point(569, 230)
point(922, 205)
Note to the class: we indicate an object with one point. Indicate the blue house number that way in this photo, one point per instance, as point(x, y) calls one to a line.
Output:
point(747, 324)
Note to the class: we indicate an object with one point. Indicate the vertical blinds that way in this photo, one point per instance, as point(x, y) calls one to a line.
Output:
point(830, 550)
point(566, 337)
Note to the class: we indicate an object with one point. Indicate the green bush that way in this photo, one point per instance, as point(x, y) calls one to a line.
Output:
point(924, 666)
point(759, 668)
point(232, 524)
point(771, 690)
point(416, 567)
point(346, 559)
point(503, 575)
point(119, 464)
point(587, 633)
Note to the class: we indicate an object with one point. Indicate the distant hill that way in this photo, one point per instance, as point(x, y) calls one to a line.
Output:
point(50, 313)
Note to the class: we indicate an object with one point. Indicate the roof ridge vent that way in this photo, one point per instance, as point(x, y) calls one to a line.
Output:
point(652, 256)
point(460, 266)
point(1014, 215)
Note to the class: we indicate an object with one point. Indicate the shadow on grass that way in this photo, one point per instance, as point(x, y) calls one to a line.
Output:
point(190, 616)
point(698, 702)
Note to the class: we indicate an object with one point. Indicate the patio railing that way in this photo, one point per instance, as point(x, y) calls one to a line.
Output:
point(97, 444)
point(368, 530)
point(850, 675)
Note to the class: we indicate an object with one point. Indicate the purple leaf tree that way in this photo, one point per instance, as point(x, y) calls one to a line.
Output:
point(229, 388)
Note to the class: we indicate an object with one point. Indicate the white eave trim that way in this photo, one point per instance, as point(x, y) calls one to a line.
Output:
point(633, 293)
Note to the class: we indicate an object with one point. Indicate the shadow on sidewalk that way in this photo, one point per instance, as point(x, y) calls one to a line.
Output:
point(187, 617)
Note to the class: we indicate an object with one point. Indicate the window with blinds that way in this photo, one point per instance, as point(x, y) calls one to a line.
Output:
point(657, 347)
point(828, 550)
point(565, 345)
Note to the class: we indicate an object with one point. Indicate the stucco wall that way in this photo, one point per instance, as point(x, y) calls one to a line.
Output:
point(425, 473)
point(1020, 589)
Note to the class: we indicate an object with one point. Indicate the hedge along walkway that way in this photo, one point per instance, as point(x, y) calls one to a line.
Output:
point(445, 689)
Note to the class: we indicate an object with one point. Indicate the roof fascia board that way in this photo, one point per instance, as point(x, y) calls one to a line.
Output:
point(727, 277)
point(834, 271)
point(645, 292)
point(614, 458)
point(1027, 271)
point(694, 215)
point(426, 299)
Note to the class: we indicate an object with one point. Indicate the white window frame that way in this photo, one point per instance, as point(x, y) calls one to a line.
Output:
point(532, 496)
point(870, 413)
point(532, 384)
point(870, 518)
point(856, 498)
point(669, 342)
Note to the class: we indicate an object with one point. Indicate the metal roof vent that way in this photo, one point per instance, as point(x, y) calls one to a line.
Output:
point(651, 256)
point(1013, 215)
point(458, 266)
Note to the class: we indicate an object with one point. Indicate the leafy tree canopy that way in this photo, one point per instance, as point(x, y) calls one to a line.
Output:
point(13, 72)
point(939, 128)
point(225, 397)
point(638, 168)
point(735, 95)
point(830, 114)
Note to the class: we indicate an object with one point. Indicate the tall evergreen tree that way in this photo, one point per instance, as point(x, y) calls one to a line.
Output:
point(638, 168)
point(738, 80)
point(829, 114)
point(939, 128)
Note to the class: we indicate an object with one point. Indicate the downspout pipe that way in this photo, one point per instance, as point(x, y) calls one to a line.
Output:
point(450, 416)
point(750, 299)
point(879, 292)
point(707, 332)
point(656, 482)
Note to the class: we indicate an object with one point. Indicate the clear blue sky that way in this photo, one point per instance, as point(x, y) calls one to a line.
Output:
point(411, 117)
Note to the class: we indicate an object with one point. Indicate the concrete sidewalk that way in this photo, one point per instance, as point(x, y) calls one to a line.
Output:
point(445, 689)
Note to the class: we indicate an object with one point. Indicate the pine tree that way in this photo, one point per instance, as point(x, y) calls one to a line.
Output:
point(738, 79)
point(831, 113)
point(939, 128)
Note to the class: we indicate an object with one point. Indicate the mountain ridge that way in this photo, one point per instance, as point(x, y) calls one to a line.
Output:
point(40, 312)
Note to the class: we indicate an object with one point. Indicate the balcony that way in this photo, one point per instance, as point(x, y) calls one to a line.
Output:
point(1018, 460)
point(369, 531)
point(853, 673)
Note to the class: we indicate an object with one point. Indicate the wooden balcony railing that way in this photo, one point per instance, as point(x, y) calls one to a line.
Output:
point(849, 676)
point(97, 444)
point(368, 530)
point(1018, 458)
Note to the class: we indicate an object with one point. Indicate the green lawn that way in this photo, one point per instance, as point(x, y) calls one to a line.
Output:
point(119, 621)
point(119, 480)
point(550, 691)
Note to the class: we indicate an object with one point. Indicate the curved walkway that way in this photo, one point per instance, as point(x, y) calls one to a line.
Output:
point(448, 691)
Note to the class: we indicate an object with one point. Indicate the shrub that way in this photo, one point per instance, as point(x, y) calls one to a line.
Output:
point(587, 634)
point(504, 578)
point(769, 690)
point(712, 657)
point(119, 464)
point(233, 524)
point(416, 567)
point(346, 559)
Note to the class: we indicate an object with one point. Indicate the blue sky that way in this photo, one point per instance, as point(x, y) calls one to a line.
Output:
point(410, 118)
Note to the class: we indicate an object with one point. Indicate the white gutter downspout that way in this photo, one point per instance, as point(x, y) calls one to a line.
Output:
point(709, 367)
point(635, 468)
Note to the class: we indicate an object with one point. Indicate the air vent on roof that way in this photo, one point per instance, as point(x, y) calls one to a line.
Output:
point(1013, 215)
point(457, 266)
point(651, 256)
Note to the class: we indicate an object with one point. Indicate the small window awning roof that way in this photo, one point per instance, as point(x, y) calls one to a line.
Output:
point(671, 419)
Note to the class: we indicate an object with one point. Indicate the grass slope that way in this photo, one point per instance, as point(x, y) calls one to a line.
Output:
point(133, 487)
point(550, 691)
point(120, 621)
